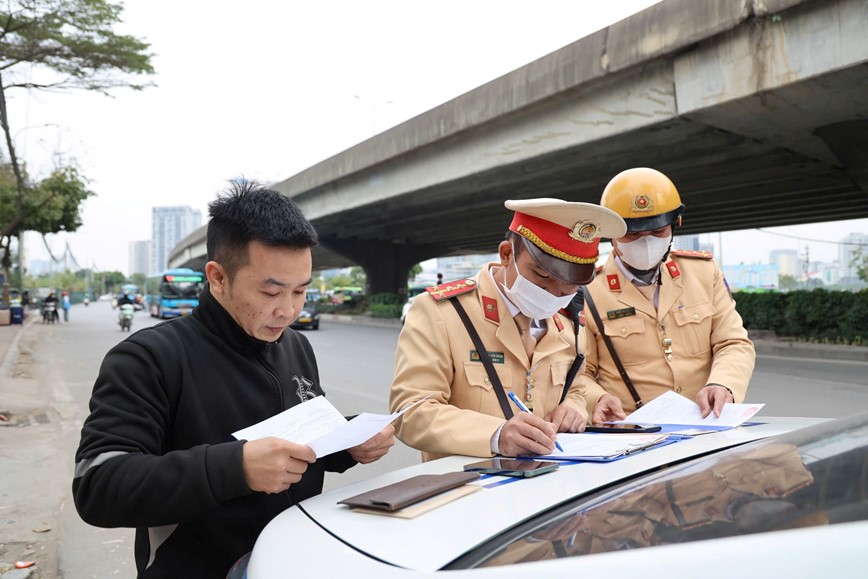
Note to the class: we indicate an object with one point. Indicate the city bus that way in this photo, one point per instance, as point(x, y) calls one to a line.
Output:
point(174, 292)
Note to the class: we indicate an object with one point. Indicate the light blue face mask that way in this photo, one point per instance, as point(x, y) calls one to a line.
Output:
point(532, 300)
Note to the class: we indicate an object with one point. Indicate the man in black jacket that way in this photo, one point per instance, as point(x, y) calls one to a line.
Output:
point(157, 452)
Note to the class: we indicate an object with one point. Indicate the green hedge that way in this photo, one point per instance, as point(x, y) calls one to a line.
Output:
point(814, 316)
point(386, 305)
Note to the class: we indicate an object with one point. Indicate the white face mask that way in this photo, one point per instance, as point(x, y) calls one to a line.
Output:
point(646, 252)
point(532, 300)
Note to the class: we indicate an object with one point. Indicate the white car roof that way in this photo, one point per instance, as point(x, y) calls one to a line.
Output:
point(430, 541)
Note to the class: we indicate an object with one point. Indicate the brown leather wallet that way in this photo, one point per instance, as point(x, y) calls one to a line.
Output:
point(408, 492)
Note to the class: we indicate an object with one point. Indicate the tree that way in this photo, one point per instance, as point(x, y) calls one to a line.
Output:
point(55, 45)
point(52, 206)
point(139, 280)
point(787, 283)
point(860, 262)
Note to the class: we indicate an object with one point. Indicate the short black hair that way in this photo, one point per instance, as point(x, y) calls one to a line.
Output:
point(247, 212)
point(517, 242)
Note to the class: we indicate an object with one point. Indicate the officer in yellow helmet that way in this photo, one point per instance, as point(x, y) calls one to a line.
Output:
point(659, 319)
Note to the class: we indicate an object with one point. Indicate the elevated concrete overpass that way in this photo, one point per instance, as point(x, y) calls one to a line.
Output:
point(757, 109)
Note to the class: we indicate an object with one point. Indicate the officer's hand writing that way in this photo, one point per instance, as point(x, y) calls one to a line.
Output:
point(525, 434)
point(608, 409)
point(712, 398)
point(566, 419)
point(374, 448)
point(272, 464)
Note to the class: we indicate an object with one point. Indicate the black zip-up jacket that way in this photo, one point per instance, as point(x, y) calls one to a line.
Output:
point(157, 452)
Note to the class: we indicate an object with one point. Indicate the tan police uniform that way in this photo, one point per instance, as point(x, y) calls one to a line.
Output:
point(436, 356)
point(709, 343)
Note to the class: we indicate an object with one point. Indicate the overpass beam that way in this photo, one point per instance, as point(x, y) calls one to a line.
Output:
point(386, 264)
point(848, 140)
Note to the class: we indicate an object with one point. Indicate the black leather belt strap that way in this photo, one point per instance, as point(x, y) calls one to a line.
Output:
point(590, 301)
point(486, 359)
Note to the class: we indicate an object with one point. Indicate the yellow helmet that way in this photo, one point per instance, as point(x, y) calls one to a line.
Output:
point(645, 198)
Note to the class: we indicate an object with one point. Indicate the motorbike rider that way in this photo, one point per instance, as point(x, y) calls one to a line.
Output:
point(126, 299)
point(51, 299)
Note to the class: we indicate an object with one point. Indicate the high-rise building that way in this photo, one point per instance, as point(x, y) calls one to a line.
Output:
point(169, 225)
point(687, 242)
point(692, 243)
point(456, 267)
point(787, 261)
point(140, 257)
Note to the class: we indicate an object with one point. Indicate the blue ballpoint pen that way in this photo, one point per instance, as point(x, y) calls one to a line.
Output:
point(524, 408)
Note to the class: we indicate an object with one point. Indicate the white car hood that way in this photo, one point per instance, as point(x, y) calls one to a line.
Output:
point(433, 539)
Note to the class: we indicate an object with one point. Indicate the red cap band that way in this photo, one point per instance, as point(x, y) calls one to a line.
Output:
point(577, 245)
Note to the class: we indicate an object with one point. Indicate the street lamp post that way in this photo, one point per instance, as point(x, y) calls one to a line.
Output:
point(373, 106)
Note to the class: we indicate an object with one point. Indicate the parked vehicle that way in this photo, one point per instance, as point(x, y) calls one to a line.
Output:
point(781, 497)
point(405, 309)
point(125, 317)
point(308, 318)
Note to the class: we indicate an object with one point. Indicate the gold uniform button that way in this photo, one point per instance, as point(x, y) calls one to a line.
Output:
point(623, 330)
point(695, 316)
point(678, 389)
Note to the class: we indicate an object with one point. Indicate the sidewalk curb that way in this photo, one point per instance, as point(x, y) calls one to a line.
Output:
point(766, 346)
point(8, 355)
point(362, 320)
point(790, 349)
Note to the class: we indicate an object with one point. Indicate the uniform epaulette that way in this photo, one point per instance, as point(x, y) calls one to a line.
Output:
point(691, 253)
point(451, 288)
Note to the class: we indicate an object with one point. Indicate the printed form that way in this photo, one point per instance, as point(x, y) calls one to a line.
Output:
point(319, 425)
point(672, 408)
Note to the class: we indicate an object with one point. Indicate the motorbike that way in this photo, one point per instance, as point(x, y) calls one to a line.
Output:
point(86, 302)
point(125, 317)
point(49, 313)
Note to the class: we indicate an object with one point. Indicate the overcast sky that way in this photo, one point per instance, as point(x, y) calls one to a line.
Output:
point(265, 89)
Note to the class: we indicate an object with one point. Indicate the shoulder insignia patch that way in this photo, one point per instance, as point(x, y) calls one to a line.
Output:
point(453, 288)
point(558, 323)
point(693, 254)
point(489, 309)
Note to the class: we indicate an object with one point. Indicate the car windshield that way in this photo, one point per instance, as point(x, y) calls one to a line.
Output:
point(818, 476)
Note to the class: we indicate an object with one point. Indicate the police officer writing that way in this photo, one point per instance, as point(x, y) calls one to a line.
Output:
point(516, 337)
point(667, 317)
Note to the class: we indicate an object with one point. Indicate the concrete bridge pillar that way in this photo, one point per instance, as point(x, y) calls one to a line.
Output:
point(386, 264)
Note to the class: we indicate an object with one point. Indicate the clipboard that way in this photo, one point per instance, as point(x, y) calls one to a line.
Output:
point(408, 492)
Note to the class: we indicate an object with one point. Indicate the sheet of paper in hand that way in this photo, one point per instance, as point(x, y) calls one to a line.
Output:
point(318, 424)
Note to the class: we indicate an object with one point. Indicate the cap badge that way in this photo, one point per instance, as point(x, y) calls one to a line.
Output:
point(584, 231)
point(642, 203)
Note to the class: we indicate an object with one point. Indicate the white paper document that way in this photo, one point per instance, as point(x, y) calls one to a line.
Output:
point(318, 424)
point(579, 446)
point(672, 408)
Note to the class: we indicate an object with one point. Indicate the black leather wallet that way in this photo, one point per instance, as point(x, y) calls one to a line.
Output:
point(408, 492)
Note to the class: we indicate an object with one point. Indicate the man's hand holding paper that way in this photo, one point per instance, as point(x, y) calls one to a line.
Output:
point(319, 425)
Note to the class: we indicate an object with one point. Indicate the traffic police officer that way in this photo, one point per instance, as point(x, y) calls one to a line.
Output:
point(515, 308)
point(669, 315)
